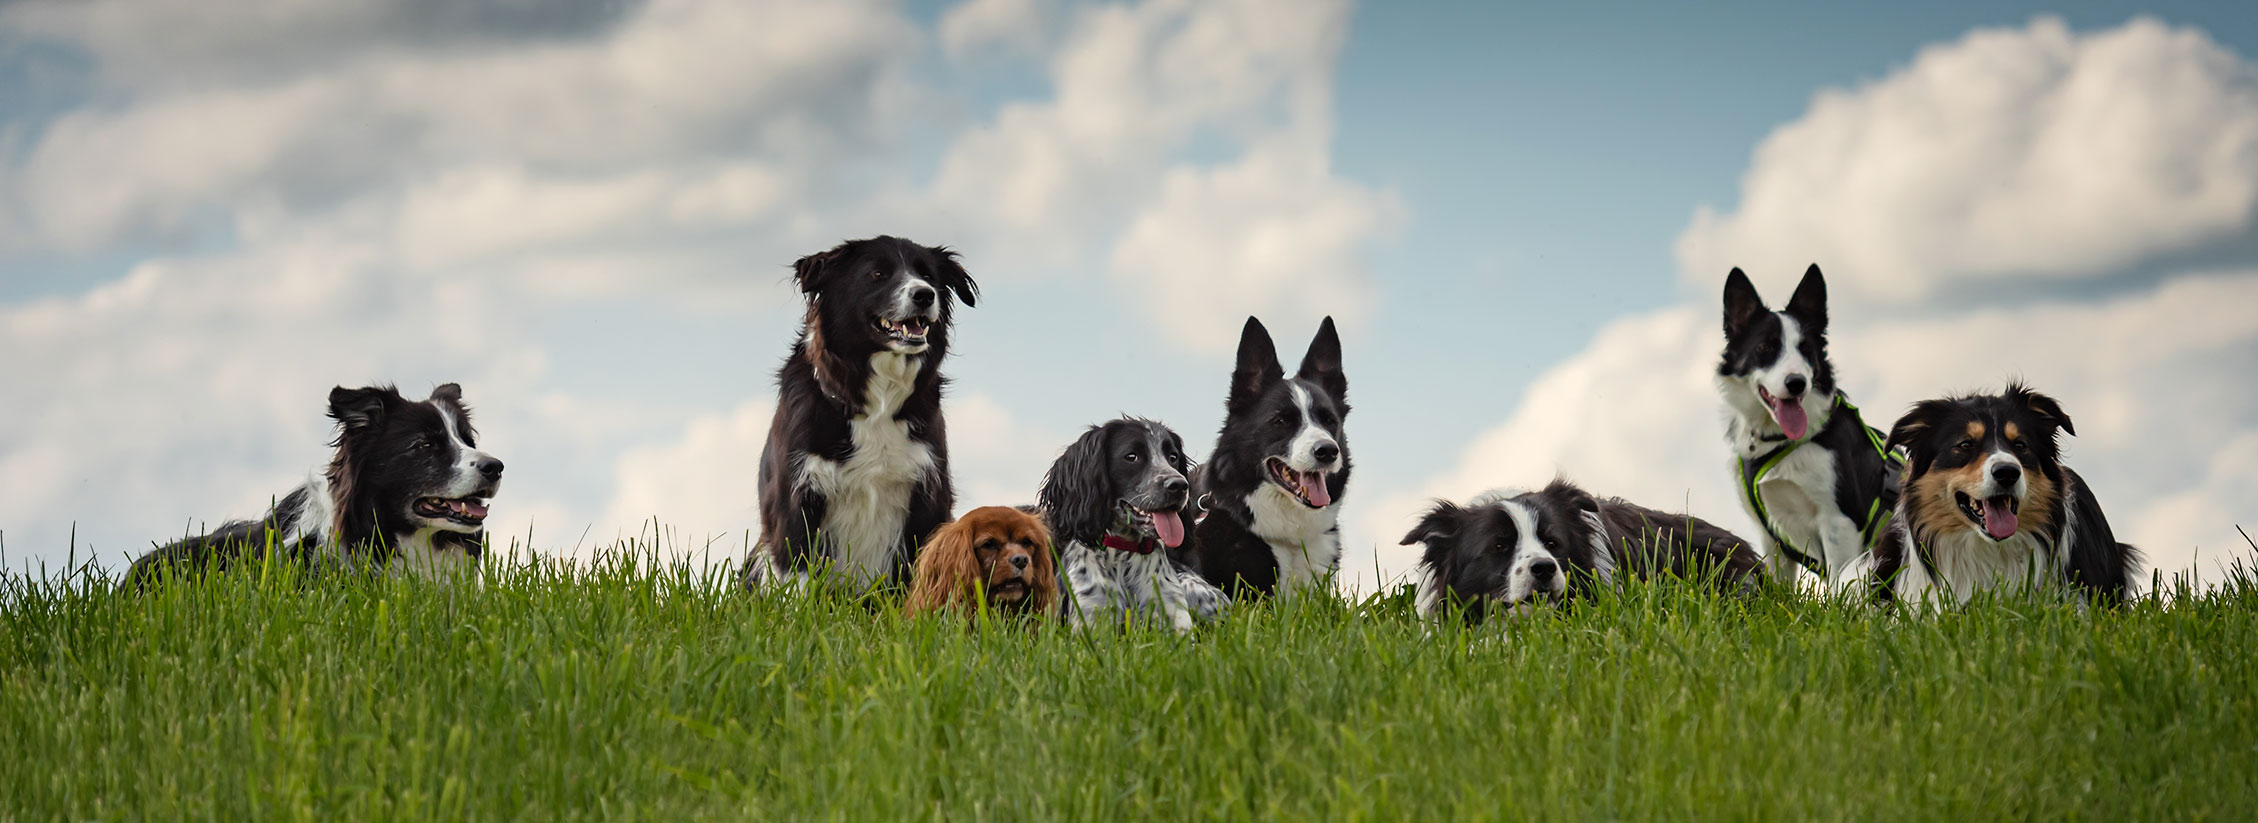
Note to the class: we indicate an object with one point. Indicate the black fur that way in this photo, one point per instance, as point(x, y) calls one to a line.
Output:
point(1114, 465)
point(1935, 436)
point(1753, 332)
point(821, 390)
point(1471, 550)
point(1260, 422)
point(389, 453)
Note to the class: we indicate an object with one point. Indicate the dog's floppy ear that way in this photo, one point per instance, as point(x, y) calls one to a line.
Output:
point(1912, 431)
point(1323, 362)
point(357, 409)
point(1440, 523)
point(1257, 369)
point(1810, 301)
point(1742, 305)
point(1078, 490)
point(1571, 495)
point(2047, 410)
point(813, 272)
point(1044, 585)
point(947, 571)
point(952, 275)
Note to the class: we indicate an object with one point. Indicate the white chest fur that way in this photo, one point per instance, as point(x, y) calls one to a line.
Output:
point(868, 494)
point(1799, 501)
point(1968, 563)
point(1305, 541)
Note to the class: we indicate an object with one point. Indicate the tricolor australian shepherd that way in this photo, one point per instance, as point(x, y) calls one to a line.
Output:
point(1505, 552)
point(1119, 505)
point(856, 469)
point(404, 492)
point(1813, 475)
point(1989, 505)
point(1281, 464)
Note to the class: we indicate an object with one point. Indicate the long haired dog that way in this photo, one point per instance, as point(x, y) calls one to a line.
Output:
point(404, 491)
point(1118, 501)
point(1505, 552)
point(1989, 505)
point(856, 468)
point(1280, 468)
point(993, 557)
point(1810, 471)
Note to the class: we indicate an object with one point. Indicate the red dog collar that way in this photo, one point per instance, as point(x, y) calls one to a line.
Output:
point(1144, 546)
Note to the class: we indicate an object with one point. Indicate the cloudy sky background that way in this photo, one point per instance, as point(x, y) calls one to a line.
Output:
point(584, 212)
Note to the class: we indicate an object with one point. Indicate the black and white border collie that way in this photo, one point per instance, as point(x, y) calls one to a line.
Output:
point(1508, 551)
point(1280, 467)
point(1989, 505)
point(856, 468)
point(1118, 504)
point(1809, 470)
point(405, 492)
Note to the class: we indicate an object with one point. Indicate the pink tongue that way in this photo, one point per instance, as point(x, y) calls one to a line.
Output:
point(1999, 520)
point(474, 509)
point(1790, 415)
point(1313, 487)
point(1170, 527)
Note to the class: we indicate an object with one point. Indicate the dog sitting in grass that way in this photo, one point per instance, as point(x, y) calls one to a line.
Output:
point(992, 558)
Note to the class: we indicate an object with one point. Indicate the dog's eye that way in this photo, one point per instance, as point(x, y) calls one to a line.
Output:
point(1281, 419)
point(418, 444)
point(1131, 457)
point(1965, 446)
point(2022, 446)
point(877, 274)
point(990, 545)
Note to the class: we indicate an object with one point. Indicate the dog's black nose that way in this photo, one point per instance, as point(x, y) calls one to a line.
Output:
point(1543, 570)
point(1796, 384)
point(1176, 484)
point(490, 467)
point(922, 296)
point(2006, 474)
point(1326, 452)
point(1019, 562)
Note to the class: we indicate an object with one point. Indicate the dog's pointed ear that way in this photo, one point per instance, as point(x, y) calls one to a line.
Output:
point(448, 392)
point(1742, 304)
point(357, 409)
point(953, 276)
point(813, 272)
point(1257, 369)
point(1810, 301)
point(1323, 362)
point(1438, 524)
point(2047, 410)
point(1078, 492)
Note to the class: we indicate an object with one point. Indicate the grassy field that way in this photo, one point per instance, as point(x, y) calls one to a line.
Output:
point(625, 691)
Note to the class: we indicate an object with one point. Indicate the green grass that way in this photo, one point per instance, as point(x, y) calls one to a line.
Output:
point(628, 691)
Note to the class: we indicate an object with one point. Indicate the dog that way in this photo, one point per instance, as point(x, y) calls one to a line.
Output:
point(1279, 470)
point(1118, 501)
point(856, 467)
point(1508, 551)
point(405, 492)
point(993, 558)
point(1820, 482)
point(1988, 505)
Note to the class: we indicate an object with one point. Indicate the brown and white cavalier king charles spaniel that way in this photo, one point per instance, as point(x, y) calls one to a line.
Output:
point(998, 553)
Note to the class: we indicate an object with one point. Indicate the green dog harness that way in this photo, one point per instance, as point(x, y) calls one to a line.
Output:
point(1753, 471)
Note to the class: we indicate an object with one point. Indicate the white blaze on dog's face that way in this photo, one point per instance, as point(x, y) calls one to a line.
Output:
point(1775, 364)
point(882, 295)
point(1986, 464)
point(1497, 550)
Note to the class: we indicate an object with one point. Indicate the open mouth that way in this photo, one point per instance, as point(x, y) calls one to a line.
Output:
point(469, 511)
point(1009, 591)
point(1307, 487)
point(1997, 516)
point(1788, 413)
point(906, 330)
point(1165, 524)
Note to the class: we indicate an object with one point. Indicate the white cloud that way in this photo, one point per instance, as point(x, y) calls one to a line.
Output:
point(2033, 154)
point(997, 27)
point(700, 487)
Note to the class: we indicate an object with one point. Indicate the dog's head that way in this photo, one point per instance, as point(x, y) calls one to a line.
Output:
point(1126, 477)
point(1507, 551)
point(1984, 463)
point(1001, 553)
point(404, 466)
point(1289, 428)
point(1775, 364)
point(882, 294)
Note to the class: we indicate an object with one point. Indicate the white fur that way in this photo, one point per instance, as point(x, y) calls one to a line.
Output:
point(1301, 454)
point(1107, 584)
point(416, 555)
point(868, 495)
point(1603, 555)
point(1305, 542)
point(1969, 561)
point(1520, 583)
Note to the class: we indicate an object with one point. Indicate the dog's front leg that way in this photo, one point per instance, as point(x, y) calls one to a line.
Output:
point(1093, 591)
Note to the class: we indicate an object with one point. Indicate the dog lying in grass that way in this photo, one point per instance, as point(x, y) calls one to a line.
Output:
point(993, 558)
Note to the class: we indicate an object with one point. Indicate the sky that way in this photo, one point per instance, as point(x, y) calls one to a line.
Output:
point(584, 212)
